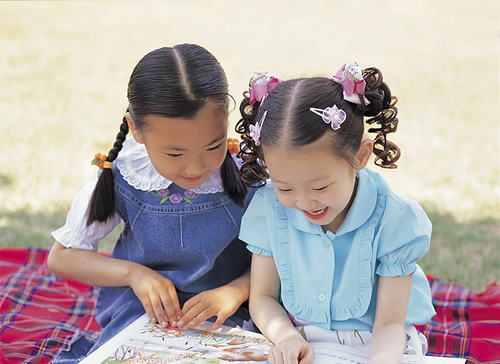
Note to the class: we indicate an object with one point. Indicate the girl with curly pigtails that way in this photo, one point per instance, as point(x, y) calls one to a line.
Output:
point(334, 248)
point(175, 188)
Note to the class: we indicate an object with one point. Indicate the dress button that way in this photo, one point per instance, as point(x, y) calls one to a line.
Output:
point(322, 297)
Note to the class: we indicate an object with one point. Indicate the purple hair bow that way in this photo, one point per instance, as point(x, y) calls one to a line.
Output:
point(351, 78)
point(261, 85)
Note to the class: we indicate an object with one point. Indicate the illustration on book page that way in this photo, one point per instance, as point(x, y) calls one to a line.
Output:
point(152, 343)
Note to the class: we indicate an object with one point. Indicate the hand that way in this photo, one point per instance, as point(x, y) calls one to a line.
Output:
point(157, 294)
point(291, 351)
point(221, 302)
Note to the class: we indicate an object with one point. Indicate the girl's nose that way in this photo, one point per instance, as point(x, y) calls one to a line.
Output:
point(306, 203)
point(195, 167)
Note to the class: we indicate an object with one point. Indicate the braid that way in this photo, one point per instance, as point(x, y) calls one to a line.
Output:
point(233, 184)
point(383, 112)
point(253, 169)
point(102, 203)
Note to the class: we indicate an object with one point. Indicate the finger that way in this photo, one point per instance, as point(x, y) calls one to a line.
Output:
point(190, 303)
point(201, 317)
point(218, 323)
point(149, 311)
point(172, 292)
point(308, 357)
point(190, 317)
point(171, 307)
point(159, 311)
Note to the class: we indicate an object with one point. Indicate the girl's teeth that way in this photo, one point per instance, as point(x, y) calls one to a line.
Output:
point(317, 212)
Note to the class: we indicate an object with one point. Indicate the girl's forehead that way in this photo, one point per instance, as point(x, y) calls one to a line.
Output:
point(308, 164)
point(207, 126)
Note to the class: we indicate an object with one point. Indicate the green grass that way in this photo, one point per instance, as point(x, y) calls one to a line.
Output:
point(463, 251)
point(65, 67)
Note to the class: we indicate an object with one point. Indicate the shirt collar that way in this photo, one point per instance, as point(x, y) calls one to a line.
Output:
point(136, 168)
point(362, 208)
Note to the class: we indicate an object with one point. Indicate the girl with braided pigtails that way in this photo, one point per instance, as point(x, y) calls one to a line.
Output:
point(334, 248)
point(175, 187)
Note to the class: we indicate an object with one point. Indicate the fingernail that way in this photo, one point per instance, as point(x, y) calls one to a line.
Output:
point(180, 324)
point(192, 324)
point(173, 323)
point(164, 323)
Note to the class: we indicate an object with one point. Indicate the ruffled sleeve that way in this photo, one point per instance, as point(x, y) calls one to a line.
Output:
point(75, 233)
point(404, 239)
point(255, 225)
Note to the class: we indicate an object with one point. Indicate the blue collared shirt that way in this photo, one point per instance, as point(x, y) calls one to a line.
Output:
point(331, 279)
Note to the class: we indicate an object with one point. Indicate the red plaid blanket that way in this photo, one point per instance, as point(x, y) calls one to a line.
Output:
point(40, 313)
point(467, 324)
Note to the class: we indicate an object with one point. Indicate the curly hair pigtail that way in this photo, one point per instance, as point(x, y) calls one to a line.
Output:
point(253, 170)
point(102, 203)
point(382, 108)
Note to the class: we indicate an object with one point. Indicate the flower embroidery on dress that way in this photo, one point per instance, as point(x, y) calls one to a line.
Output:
point(174, 198)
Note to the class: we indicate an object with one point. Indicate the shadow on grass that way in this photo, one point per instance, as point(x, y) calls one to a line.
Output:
point(464, 252)
point(26, 228)
point(5, 180)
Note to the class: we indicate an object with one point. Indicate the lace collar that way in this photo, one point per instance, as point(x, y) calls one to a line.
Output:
point(136, 168)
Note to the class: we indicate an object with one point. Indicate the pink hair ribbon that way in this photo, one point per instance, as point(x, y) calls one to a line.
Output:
point(261, 85)
point(351, 78)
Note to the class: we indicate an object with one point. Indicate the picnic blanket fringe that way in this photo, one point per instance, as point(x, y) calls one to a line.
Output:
point(40, 313)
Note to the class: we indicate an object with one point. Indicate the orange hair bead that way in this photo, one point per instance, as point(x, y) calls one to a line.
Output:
point(233, 145)
point(99, 160)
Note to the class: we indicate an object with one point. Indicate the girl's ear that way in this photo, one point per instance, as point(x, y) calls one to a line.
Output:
point(135, 132)
point(364, 153)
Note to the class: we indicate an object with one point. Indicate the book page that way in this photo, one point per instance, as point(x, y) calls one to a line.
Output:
point(332, 353)
point(144, 341)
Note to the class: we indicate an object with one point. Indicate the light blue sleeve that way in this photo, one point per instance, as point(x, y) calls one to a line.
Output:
point(405, 238)
point(255, 224)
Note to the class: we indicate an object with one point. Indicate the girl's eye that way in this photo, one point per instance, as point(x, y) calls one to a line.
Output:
point(320, 189)
point(216, 147)
point(173, 155)
point(284, 190)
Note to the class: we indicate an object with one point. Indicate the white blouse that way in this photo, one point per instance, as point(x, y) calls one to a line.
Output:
point(136, 168)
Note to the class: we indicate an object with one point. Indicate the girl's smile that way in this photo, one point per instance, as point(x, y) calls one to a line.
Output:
point(316, 215)
point(192, 179)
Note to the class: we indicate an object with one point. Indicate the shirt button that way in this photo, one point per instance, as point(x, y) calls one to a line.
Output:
point(322, 297)
point(326, 243)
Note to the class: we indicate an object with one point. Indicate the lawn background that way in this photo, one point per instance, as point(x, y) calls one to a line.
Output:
point(64, 68)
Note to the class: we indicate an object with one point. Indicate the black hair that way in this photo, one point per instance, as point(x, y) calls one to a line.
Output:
point(173, 82)
point(289, 121)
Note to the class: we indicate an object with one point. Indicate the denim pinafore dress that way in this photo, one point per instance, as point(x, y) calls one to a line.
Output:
point(190, 238)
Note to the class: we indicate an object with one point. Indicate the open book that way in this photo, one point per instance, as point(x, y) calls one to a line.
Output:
point(145, 342)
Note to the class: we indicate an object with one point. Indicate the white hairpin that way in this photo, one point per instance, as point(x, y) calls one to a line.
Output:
point(256, 129)
point(331, 115)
